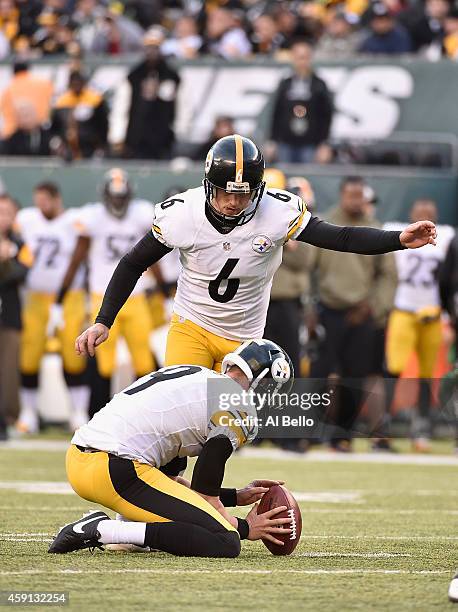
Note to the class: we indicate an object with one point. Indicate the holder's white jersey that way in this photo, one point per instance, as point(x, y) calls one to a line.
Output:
point(111, 238)
point(52, 242)
point(225, 280)
point(170, 413)
point(417, 270)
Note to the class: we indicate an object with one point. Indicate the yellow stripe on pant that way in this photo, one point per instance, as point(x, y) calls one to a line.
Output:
point(190, 343)
point(89, 476)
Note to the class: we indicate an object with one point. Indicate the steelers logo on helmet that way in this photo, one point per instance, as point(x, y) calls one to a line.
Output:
point(281, 371)
point(209, 161)
point(266, 365)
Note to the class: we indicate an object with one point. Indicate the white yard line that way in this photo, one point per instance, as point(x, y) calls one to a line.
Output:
point(329, 497)
point(331, 457)
point(25, 534)
point(310, 555)
point(184, 572)
point(63, 488)
point(53, 487)
point(26, 540)
point(274, 453)
point(45, 508)
point(381, 511)
point(20, 537)
point(331, 555)
point(29, 445)
point(416, 538)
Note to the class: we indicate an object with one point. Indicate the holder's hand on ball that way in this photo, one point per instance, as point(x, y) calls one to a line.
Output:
point(254, 491)
point(265, 526)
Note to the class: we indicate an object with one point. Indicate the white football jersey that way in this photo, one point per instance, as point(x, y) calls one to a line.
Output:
point(170, 413)
point(52, 242)
point(111, 238)
point(417, 270)
point(170, 266)
point(225, 280)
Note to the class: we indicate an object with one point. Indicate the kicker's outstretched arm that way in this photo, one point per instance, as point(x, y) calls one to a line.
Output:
point(366, 240)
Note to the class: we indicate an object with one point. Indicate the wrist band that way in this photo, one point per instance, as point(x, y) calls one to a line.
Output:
point(243, 528)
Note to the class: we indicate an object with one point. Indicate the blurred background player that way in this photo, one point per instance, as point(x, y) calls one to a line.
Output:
point(354, 291)
point(415, 324)
point(15, 261)
point(49, 230)
point(107, 230)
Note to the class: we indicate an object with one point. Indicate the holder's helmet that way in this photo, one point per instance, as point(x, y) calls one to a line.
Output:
point(267, 366)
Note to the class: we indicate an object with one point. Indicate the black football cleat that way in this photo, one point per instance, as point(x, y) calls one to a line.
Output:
point(80, 534)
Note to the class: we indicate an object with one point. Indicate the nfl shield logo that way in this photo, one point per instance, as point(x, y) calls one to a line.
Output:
point(227, 246)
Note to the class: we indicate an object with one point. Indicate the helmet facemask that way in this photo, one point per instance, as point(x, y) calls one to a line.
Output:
point(117, 205)
point(244, 216)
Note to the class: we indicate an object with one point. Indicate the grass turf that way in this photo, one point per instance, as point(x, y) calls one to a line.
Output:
point(392, 547)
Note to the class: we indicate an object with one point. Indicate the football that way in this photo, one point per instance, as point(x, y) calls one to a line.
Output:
point(280, 496)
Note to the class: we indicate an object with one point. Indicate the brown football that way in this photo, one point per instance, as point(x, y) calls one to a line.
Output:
point(280, 496)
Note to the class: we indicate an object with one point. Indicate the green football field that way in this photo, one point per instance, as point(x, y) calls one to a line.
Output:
point(379, 533)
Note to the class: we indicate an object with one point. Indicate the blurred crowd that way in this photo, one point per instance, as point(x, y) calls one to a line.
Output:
point(341, 317)
point(228, 28)
point(75, 124)
point(78, 122)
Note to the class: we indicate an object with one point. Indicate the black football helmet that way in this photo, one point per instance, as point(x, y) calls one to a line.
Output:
point(236, 165)
point(117, 192)
point(267, 366)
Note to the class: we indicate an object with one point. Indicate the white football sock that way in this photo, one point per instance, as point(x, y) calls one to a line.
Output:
point(120, 532)
point(28, 415)
point(80, 403)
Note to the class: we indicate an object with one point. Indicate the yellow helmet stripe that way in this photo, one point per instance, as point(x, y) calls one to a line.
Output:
point(238, 158)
